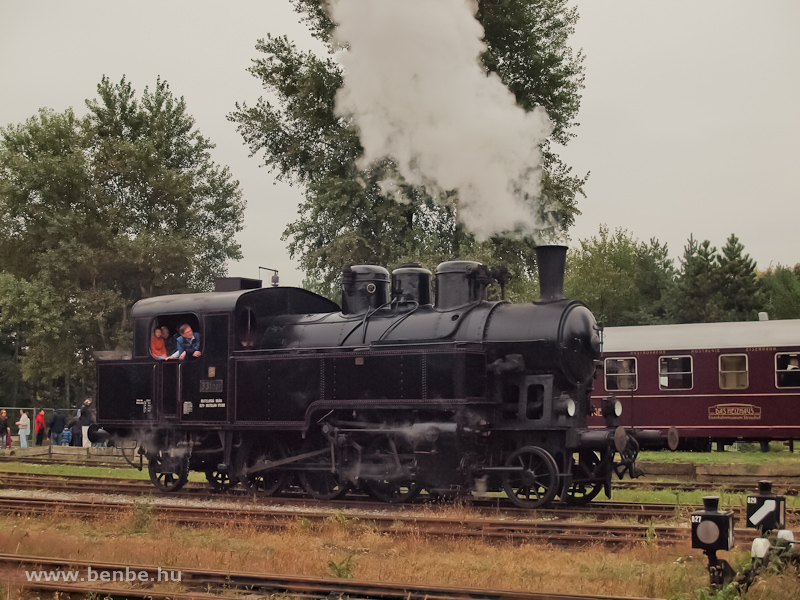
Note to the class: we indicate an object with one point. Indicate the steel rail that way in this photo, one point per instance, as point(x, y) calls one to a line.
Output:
point(279, 584)
point(787, 489)
point(643, 512)
point(552, 532)
point(640, 511)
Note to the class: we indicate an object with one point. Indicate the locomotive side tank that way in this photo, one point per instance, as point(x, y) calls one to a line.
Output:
point(390, 393)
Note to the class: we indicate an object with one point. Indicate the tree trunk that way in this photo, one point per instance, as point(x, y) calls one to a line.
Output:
point(15, 383)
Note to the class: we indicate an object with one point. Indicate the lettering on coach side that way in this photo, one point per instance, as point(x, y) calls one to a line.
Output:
point(737, 412)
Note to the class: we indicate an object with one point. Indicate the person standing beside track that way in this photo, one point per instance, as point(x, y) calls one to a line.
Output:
point(66, 436)
point(40, 427)
point(24, 425)
point(5, 430)
point(77, 433)
point(56, 427)
point(86, 419)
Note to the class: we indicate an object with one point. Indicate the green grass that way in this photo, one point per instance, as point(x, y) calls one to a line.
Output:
point(728, 499)
point(729, 456)
point(678, 498)
point(112, 473)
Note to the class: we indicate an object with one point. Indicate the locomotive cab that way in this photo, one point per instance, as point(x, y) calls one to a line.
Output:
point(145, 392)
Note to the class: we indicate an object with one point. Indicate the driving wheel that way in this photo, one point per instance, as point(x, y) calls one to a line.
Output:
point(168, 473)
point(388, 470)
point(256, 453)
point(533, 482)
point(585, 479)
point(318, 475)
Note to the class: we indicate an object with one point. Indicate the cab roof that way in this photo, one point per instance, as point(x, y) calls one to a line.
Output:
point(285, 300)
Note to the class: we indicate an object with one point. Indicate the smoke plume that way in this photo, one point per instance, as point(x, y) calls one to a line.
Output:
point(418, 94)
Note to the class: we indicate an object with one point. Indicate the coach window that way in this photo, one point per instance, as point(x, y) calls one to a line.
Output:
point(733, 372)
point(675, 372)
point(621, 374)
point(787, 370)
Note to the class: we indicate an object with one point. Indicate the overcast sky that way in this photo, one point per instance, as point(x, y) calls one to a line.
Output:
point(689, 120)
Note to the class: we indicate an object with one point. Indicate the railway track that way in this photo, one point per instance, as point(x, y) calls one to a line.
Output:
point(693, 486)
point(494, 506)
point(642, 512)
point(638, 484)
point(232, 584)
point(548, 530)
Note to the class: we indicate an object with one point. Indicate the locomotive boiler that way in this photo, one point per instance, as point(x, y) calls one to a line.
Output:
point(392, 393)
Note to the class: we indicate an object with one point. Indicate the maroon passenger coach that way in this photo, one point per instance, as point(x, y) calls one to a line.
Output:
point(713, 381)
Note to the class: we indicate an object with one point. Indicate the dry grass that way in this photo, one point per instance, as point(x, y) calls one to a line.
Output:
point(347, 547)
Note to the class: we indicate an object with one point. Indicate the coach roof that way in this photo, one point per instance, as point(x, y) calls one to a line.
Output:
point(747, 334)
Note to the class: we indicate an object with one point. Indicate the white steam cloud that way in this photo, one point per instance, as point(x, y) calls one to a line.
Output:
point(415, 88)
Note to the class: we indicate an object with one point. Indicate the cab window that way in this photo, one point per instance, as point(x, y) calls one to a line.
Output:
point(247, 329)
point(675, 372)
point(787, 370)
point(169, 325)
point(621, 374)
point(733, 373)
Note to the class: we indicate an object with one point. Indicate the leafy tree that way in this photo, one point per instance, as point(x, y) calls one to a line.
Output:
point(697, 293)
point(620, 278)
point(739, 288)
point(781, 292)
point(347, 217)
point(175, 212)
point(12, 389)
point(97, 212)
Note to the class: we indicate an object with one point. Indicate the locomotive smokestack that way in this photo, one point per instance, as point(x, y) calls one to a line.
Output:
point(551, 261)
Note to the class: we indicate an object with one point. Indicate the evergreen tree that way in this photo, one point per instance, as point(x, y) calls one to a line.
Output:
point(655, 277)
point(781, 292)
point(739, 288)
point(696, 296)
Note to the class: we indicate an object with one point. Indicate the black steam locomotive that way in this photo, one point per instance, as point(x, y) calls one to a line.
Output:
point(390, 393)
